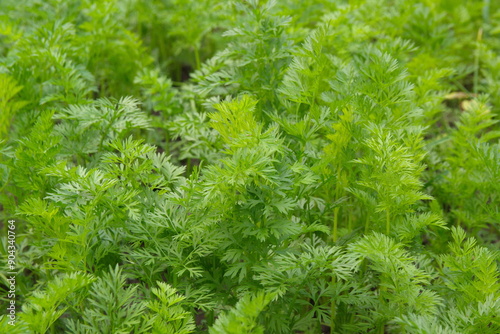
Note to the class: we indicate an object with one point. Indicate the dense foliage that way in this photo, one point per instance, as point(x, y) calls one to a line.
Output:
point(296, 166)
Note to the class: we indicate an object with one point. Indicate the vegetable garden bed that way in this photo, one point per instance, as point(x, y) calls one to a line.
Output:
point(206, 166)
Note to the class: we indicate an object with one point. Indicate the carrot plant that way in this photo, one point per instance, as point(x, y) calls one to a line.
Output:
point(249, 166)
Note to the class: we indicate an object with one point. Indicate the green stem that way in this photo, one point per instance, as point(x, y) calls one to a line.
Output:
point(167, 143)
point(349, 221)
point(460, 206)
point(382, 289)
point(335, 223)
point(188, 167)
point(387, 222)
point(298, 109)
point(364, 266)
point(114, 117)
point(333, 310)
point(333, 306)
point(476, 60)
point(174, 280)
point(367, 222)
point(162, 54)
point(211, 317)
point(336, 210)
point(197, 58)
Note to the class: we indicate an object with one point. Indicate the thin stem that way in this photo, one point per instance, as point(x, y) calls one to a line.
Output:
point(298, 109)
point(333, 309)
point(382, 289)
point(197, 58)
point(336, 210)
point(349, 221)
point(188, 167)
point(367, 222)
point(333, 306)
point(476, 60)
point(162, 53)
point(211, 317)
point(108, 127)
point(335, 223)
point(167, 142)
point(387, 222)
